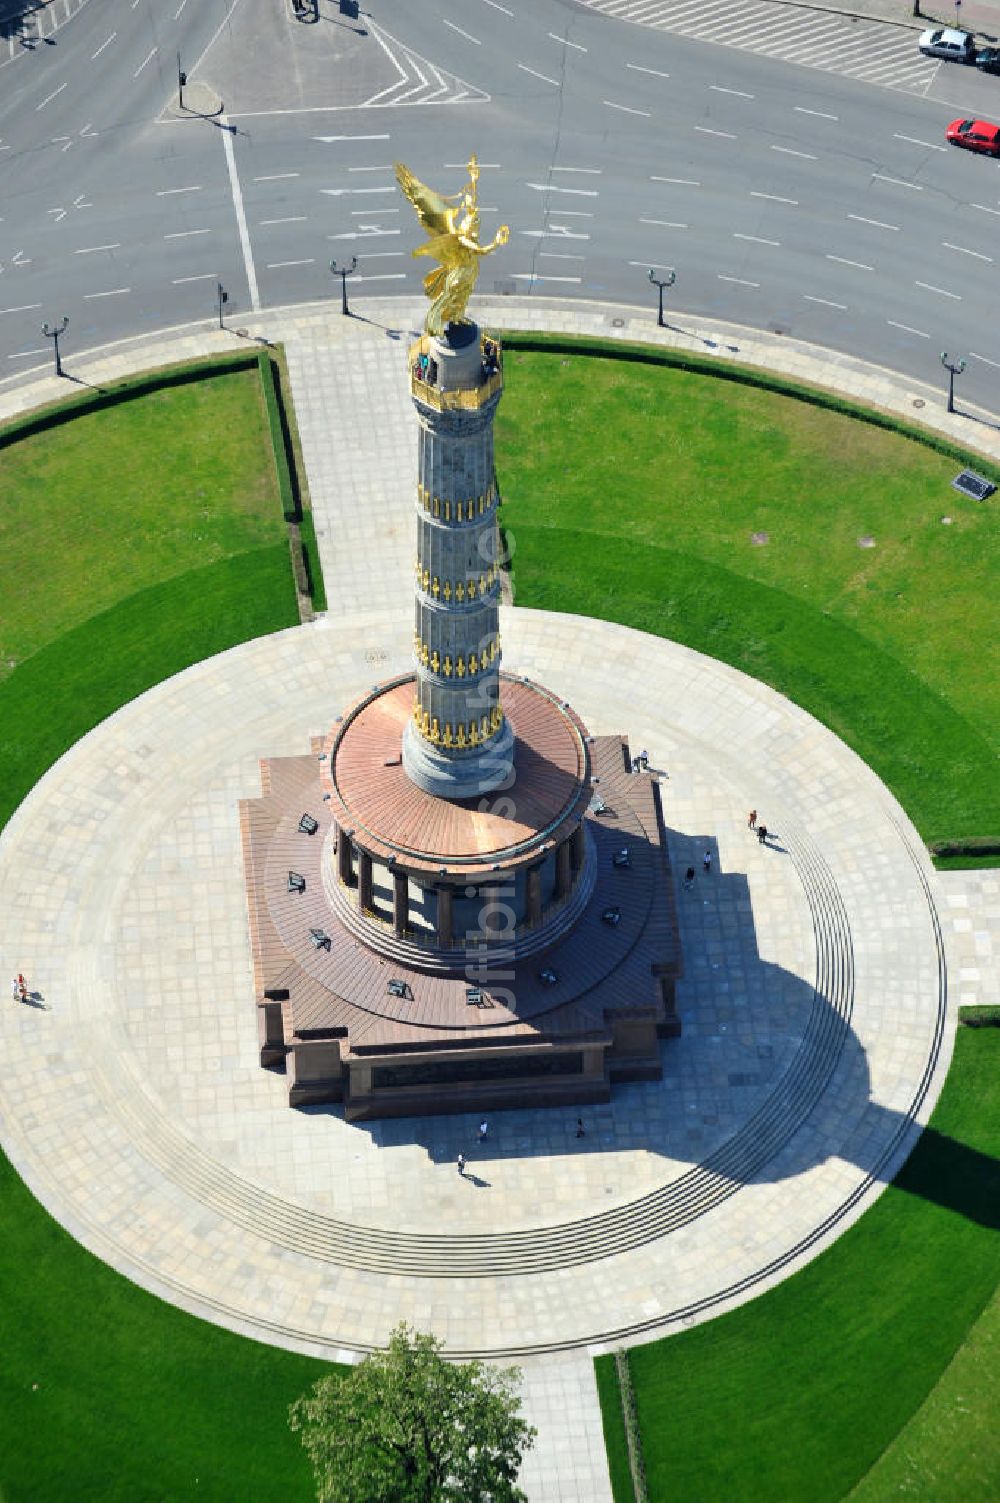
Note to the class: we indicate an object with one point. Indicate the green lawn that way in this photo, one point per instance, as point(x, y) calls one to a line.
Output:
point(795, 1395)
point(136, 540)
point(633, 492)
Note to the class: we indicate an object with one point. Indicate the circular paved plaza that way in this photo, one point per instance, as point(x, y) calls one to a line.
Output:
point(813, 1006)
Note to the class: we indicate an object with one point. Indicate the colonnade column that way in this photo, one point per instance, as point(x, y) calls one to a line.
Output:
point(400, 903)
point(365, 894)
point(445, 918)
point(345, 869)
point(564, 873)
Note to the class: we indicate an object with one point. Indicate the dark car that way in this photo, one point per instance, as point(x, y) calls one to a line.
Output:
point(975, 135)
point(988, 59)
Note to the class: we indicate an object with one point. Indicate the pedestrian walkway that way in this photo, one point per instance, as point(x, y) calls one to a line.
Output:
point(812, 1001)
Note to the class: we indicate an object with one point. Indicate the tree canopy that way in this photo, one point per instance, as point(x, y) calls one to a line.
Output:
point(405, 1426)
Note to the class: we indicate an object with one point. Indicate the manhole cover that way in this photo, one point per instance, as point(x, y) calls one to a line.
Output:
point(919, 402)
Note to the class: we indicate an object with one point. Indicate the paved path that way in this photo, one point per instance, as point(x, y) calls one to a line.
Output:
point(818, 1002)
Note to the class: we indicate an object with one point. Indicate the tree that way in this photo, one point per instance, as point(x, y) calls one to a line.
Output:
point(405, 1426)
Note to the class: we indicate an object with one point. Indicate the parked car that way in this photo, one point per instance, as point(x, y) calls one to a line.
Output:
point(944, 41)
point(988, 59)
point(975, 135)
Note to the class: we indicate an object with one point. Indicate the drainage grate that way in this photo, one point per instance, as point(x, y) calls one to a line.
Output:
point(971, 484)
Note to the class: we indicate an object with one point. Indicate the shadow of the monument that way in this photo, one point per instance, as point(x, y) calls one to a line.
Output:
point(745, 1093)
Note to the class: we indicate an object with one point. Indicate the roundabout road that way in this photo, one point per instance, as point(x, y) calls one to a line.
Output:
point(792, 197)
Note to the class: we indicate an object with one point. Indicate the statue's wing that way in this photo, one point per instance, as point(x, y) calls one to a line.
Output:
point(444, 248)
point(433, 212)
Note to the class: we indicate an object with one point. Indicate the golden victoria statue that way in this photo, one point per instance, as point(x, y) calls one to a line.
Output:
point(452, 223)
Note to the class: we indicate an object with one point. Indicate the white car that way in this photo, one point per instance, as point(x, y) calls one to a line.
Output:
point(958, 46)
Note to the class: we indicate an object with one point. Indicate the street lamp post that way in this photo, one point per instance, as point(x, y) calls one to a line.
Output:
point(223, 296)
point(54, 334)
point(343, 272)
point(954, 368)
point(660, 283)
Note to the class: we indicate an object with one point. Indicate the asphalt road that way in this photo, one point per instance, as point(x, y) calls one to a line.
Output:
point(785, 197)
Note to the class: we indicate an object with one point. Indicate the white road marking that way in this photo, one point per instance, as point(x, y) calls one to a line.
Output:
point(467, 35)
point(706, 130)
point(327, 139)
point(103, 45)
point(757, 239)
point(577, 213)
point(384, 276)
point(270, 177)
point(897, 182)
point(740, 281)
point(963, 251)
point(557, 256)
point(166, 192)
point(241, 218)
point(558, 230)
point(928, 145)
point(205, 276)
point(787, 151)
point(68, 140)
point(554, 188)
point(89, 250)
point(185, 234)
point(23, 354)
point(24, 308)
point(533, 276)
point(115, 292)
point(357, 213)
point(682, 182)
point(637, 68)
point(49, 97)
point(842, 307)
point(907, 330)
point(956, 297)
point(495, 5)
point(775, 198)
point(800, 109)
point(843, 261)
point(385, 167)
point(566, 43)
point(879, 224)
point(363, 233)
point(145, 60)
point(287, 219)
point(177, 12)
point(984, 208)
point(974, 356)
point(339, 192)
point(543, 76)
point(718, 89)
point(656, 266)
point(590, 171)
point(384, 255)
point(276, 265)
point(627, 109)
point(667, 224)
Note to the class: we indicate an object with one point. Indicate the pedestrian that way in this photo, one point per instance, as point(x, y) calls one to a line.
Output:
point(579, 1128)
point(762, 833)
point(15, 989)
point(461, 1163)
point(22, 987)
point(706, 861)
point(752, 819)
point(644, 759)
point(689, 879)
point(484, 1128)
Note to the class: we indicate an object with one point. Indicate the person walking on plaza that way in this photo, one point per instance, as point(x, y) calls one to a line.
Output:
point(484, 1128)
point(461, 1163)
point(752, 819)
point(580, 1132)
point(762, 834)
point(22, 988)
point(706, 861)
point(689, 879)
point(15, 988)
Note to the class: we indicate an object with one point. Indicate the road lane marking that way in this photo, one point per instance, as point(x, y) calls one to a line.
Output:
point(49, 97)
point(627, 109)
point(339, 192)
point(543, 76)
point(23, 354)
point(956, 297)
point(533, 276)
point(270, 177)
point(787, 151)
point(384, 167)
point(166, 192)
point(145, 60)
point(466, 34)
point(89, 250)
point(907, 329)
point(740, 281)
point(590, 171)
point(383, 276)
point(495, 5)
point(287, 219)
point(241, 218)
point(115, 292)
point(843, 261)
point(718, 89)
point(276, 265)
point(24, 308)
point(637, 68)
point(879, 224)
point(827, 303)
point(327, 139)
point(566, 43)
point(897, 182)
point(757, 239)
point(984, 208)
point(656, 266)
point(185, 234)
point(205, 276)
point(800, 109)
point(101, 48)
point(706, 130)
point(667, 224)
point(928, 145)
point(363, 233)
point(554, 188)
point(682, 182)
point(556, 256)
point(974, 356)
point(558, 230)
point(775, 198)
point(965, 252)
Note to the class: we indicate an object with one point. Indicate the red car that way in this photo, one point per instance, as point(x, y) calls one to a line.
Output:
point(977, 135)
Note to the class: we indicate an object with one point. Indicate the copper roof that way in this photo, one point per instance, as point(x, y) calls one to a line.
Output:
point(372, 795)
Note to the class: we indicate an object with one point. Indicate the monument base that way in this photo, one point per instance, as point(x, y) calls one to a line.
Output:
point(459, 775)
